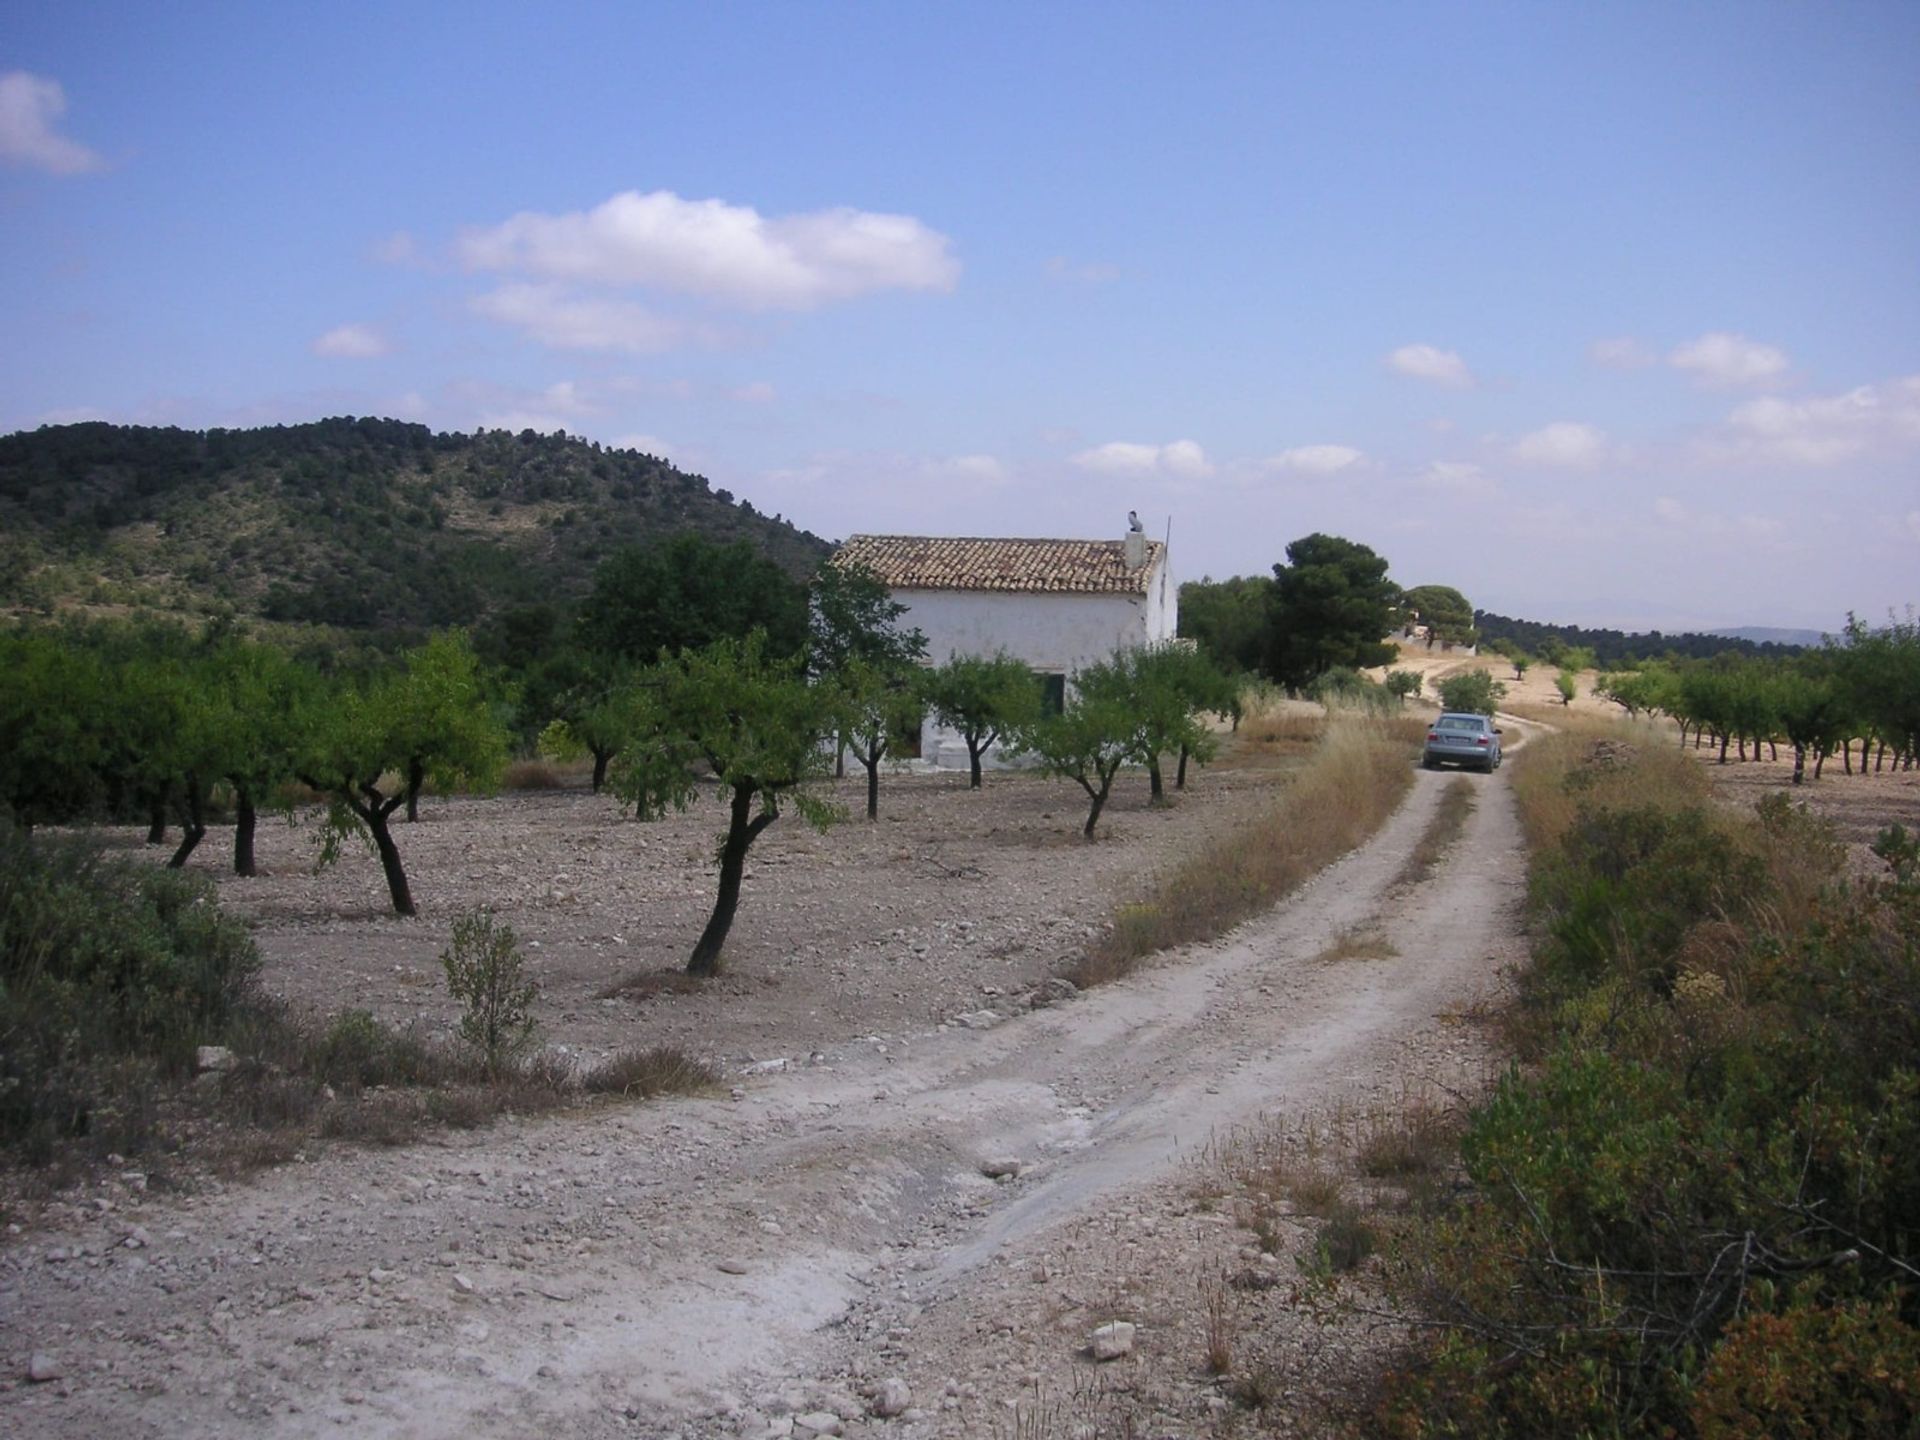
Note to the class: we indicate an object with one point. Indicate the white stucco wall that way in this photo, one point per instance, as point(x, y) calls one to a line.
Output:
point(1052, 633)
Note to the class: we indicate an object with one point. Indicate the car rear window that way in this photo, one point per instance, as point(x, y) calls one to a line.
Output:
point(1457, 722)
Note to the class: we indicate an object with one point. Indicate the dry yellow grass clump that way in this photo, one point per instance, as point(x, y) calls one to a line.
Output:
point(1348, 784)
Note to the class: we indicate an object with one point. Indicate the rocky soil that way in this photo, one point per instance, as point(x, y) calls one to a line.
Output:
point(935, 1190)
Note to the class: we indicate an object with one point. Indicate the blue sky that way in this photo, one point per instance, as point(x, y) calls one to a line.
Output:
point(1603, 313)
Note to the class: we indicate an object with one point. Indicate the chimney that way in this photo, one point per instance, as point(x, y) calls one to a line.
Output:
point(1135, 546)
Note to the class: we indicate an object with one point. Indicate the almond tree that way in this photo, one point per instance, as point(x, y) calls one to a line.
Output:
point(877, 704)
point(428, 721)
point(1172, 686)
point(756, 724)
point(1102, 727)
point(259, 696)
point(53, 707)
point(853, 619)
point(986, 699)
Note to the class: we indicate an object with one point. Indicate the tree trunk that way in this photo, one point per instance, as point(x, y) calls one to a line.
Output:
point(1156, 791)
point(376, 816)
point(1724, 738)
point(1800, 764)
point(973, 761)
point(741, 831)
point(157, 816)
point(193, 825)
point(1099, 803)
point(600, 759)
point(1180, 773)
point(416, 777)
point(871, 759)
point(839, 756)
point(244, 823)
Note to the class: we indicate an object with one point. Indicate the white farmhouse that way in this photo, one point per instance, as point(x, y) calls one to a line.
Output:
point(1055, 604)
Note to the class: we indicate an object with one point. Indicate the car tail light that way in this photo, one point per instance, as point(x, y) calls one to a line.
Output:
point(1433, 734)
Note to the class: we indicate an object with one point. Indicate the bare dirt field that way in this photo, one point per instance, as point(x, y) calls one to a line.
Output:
point(822, 1241)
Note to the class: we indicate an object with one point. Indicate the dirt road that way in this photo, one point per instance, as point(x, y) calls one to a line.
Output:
point(750, 1265)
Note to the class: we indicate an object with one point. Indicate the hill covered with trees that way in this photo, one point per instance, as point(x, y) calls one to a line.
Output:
point(1614, 647)
point(366, 524)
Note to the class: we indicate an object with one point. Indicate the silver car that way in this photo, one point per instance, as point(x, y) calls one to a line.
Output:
point(1465, 740)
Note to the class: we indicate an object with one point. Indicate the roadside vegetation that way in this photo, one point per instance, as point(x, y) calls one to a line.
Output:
point(1690, 1204)
point(131, 1025)
point(1861, 692)
point(1351, 779)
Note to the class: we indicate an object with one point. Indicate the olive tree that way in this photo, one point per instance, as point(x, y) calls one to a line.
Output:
point(756, 723)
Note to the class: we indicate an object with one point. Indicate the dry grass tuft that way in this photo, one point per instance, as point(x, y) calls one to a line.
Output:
point(1222, 1322)
point(645, 984)
point(1358, 944)
point(1414, 1139)
point(1449, 819)
point(531, 775)
point(1352, 781)
point(646, 1073)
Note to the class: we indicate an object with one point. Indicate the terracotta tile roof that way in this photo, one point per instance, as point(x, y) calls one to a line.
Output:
point(929, 562)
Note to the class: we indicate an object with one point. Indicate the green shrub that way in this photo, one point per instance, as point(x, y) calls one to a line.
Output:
point(1813, 1372)
point(486, 975)
point(1695, 1215)
point(1473, 692)
point(111, 973)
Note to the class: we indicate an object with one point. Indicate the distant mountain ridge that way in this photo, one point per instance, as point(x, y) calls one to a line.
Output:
point(1774, 635)
point(1612, 646)
point(366, 524)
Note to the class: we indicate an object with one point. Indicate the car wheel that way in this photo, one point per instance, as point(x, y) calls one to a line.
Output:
point(1430, 763)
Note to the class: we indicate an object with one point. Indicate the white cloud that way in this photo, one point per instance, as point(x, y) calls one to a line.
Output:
point(1181, 458)
point(1430, 363)
point(1564, 444)
point(1621, 353)
point(1720, 359)
point(565, 320)
point(1671, 510)
point(729, 254)
point(1316, 459)
point(1462, 478)
point(757, 392)
point(969, 470)
point(400, 248)
point(30, 107)
point(352, 342)
point(1094, 272)
point(1829, 429)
